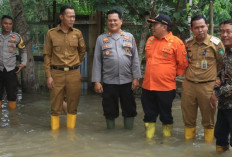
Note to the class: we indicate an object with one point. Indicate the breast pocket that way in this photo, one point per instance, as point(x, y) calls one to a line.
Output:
point(57, 46)
point(73, 45)
point(167, 54)
point(127, 47)
point(209, 54)
point(107, 51)
point(12, 46)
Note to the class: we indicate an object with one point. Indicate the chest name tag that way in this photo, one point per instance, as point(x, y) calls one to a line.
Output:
point(204, 64)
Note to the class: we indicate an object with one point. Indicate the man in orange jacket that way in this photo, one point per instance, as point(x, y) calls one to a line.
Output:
point(165, 59)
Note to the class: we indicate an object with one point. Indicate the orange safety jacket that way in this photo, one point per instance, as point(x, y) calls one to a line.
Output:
point(165, 59)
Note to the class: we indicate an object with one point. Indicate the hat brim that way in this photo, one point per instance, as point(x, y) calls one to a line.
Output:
point(152, 20)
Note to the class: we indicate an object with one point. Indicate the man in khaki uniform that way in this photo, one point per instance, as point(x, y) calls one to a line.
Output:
point(64, 51)
point(205, 54)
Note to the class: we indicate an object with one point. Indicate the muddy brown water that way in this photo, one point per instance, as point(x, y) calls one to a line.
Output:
point(26, 132)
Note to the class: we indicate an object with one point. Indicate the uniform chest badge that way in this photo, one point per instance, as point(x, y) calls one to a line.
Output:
point(107, 53)
point(13, 38)
point(105, 39)
point(128, 44)
point(127, 37)
point(165, 54)
point(106, 46)
point(11, 49)
point(127, 50)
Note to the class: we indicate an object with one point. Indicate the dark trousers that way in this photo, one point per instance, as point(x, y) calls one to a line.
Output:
point(223, 127)
point(158, 103)
point(9, 82)
point(110, 100)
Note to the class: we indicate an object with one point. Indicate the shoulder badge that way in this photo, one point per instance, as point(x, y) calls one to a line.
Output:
point(21, 44)
point(221, 51)
point(215, 40)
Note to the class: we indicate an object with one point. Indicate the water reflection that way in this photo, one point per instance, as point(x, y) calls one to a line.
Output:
point(26, 132)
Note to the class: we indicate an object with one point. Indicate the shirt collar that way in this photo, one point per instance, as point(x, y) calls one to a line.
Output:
point(59, 28)
point(206, 41)
point(168, 36)
point(121, 33)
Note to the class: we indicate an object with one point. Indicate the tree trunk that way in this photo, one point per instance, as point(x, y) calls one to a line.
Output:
point(145, 30)
point(143, 37)
point(29, 81)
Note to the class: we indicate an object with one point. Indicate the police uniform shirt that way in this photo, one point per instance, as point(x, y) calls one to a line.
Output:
point(116, 58)
point(211, 51)
point(8, 50)
point(63, 49)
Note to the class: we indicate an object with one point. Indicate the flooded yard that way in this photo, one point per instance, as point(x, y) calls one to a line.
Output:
point(26, 132)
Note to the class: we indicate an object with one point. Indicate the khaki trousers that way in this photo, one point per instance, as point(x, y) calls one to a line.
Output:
point(196, 95)
point(66, 84)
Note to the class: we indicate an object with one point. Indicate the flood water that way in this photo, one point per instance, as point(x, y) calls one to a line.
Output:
point(26, 132)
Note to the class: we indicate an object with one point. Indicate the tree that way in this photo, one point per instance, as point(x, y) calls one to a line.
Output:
point(29, 81)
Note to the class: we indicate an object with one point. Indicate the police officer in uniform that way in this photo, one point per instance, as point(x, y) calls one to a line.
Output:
point(205, 54)
point(9, 42)
point(64, 51)
point(116, 60)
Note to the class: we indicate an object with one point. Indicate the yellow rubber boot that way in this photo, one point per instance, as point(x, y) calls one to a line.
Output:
point(222, 148)
point(150, 130)
point(12, 105)
point(190, 133)
point(55, 122)
point(167, 130)
point(71, 121)
point(209, 134)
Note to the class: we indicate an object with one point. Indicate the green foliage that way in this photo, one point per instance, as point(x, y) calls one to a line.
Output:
point(222, 10)
point(5, 7)
point(133, 10)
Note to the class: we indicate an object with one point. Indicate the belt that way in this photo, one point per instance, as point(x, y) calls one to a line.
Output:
point(201, 82)
point(64, 68)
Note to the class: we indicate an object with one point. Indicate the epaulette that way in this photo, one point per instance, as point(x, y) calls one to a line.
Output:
point(17, 35)
point(215, 40)
point(188, 39)
point(51, 29)
point(76, 29)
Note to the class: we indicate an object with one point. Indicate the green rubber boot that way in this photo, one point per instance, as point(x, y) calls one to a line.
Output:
point(110, 123)
point(128, 123)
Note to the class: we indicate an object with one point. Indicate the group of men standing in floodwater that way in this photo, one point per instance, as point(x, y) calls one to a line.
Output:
point(204, 60)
